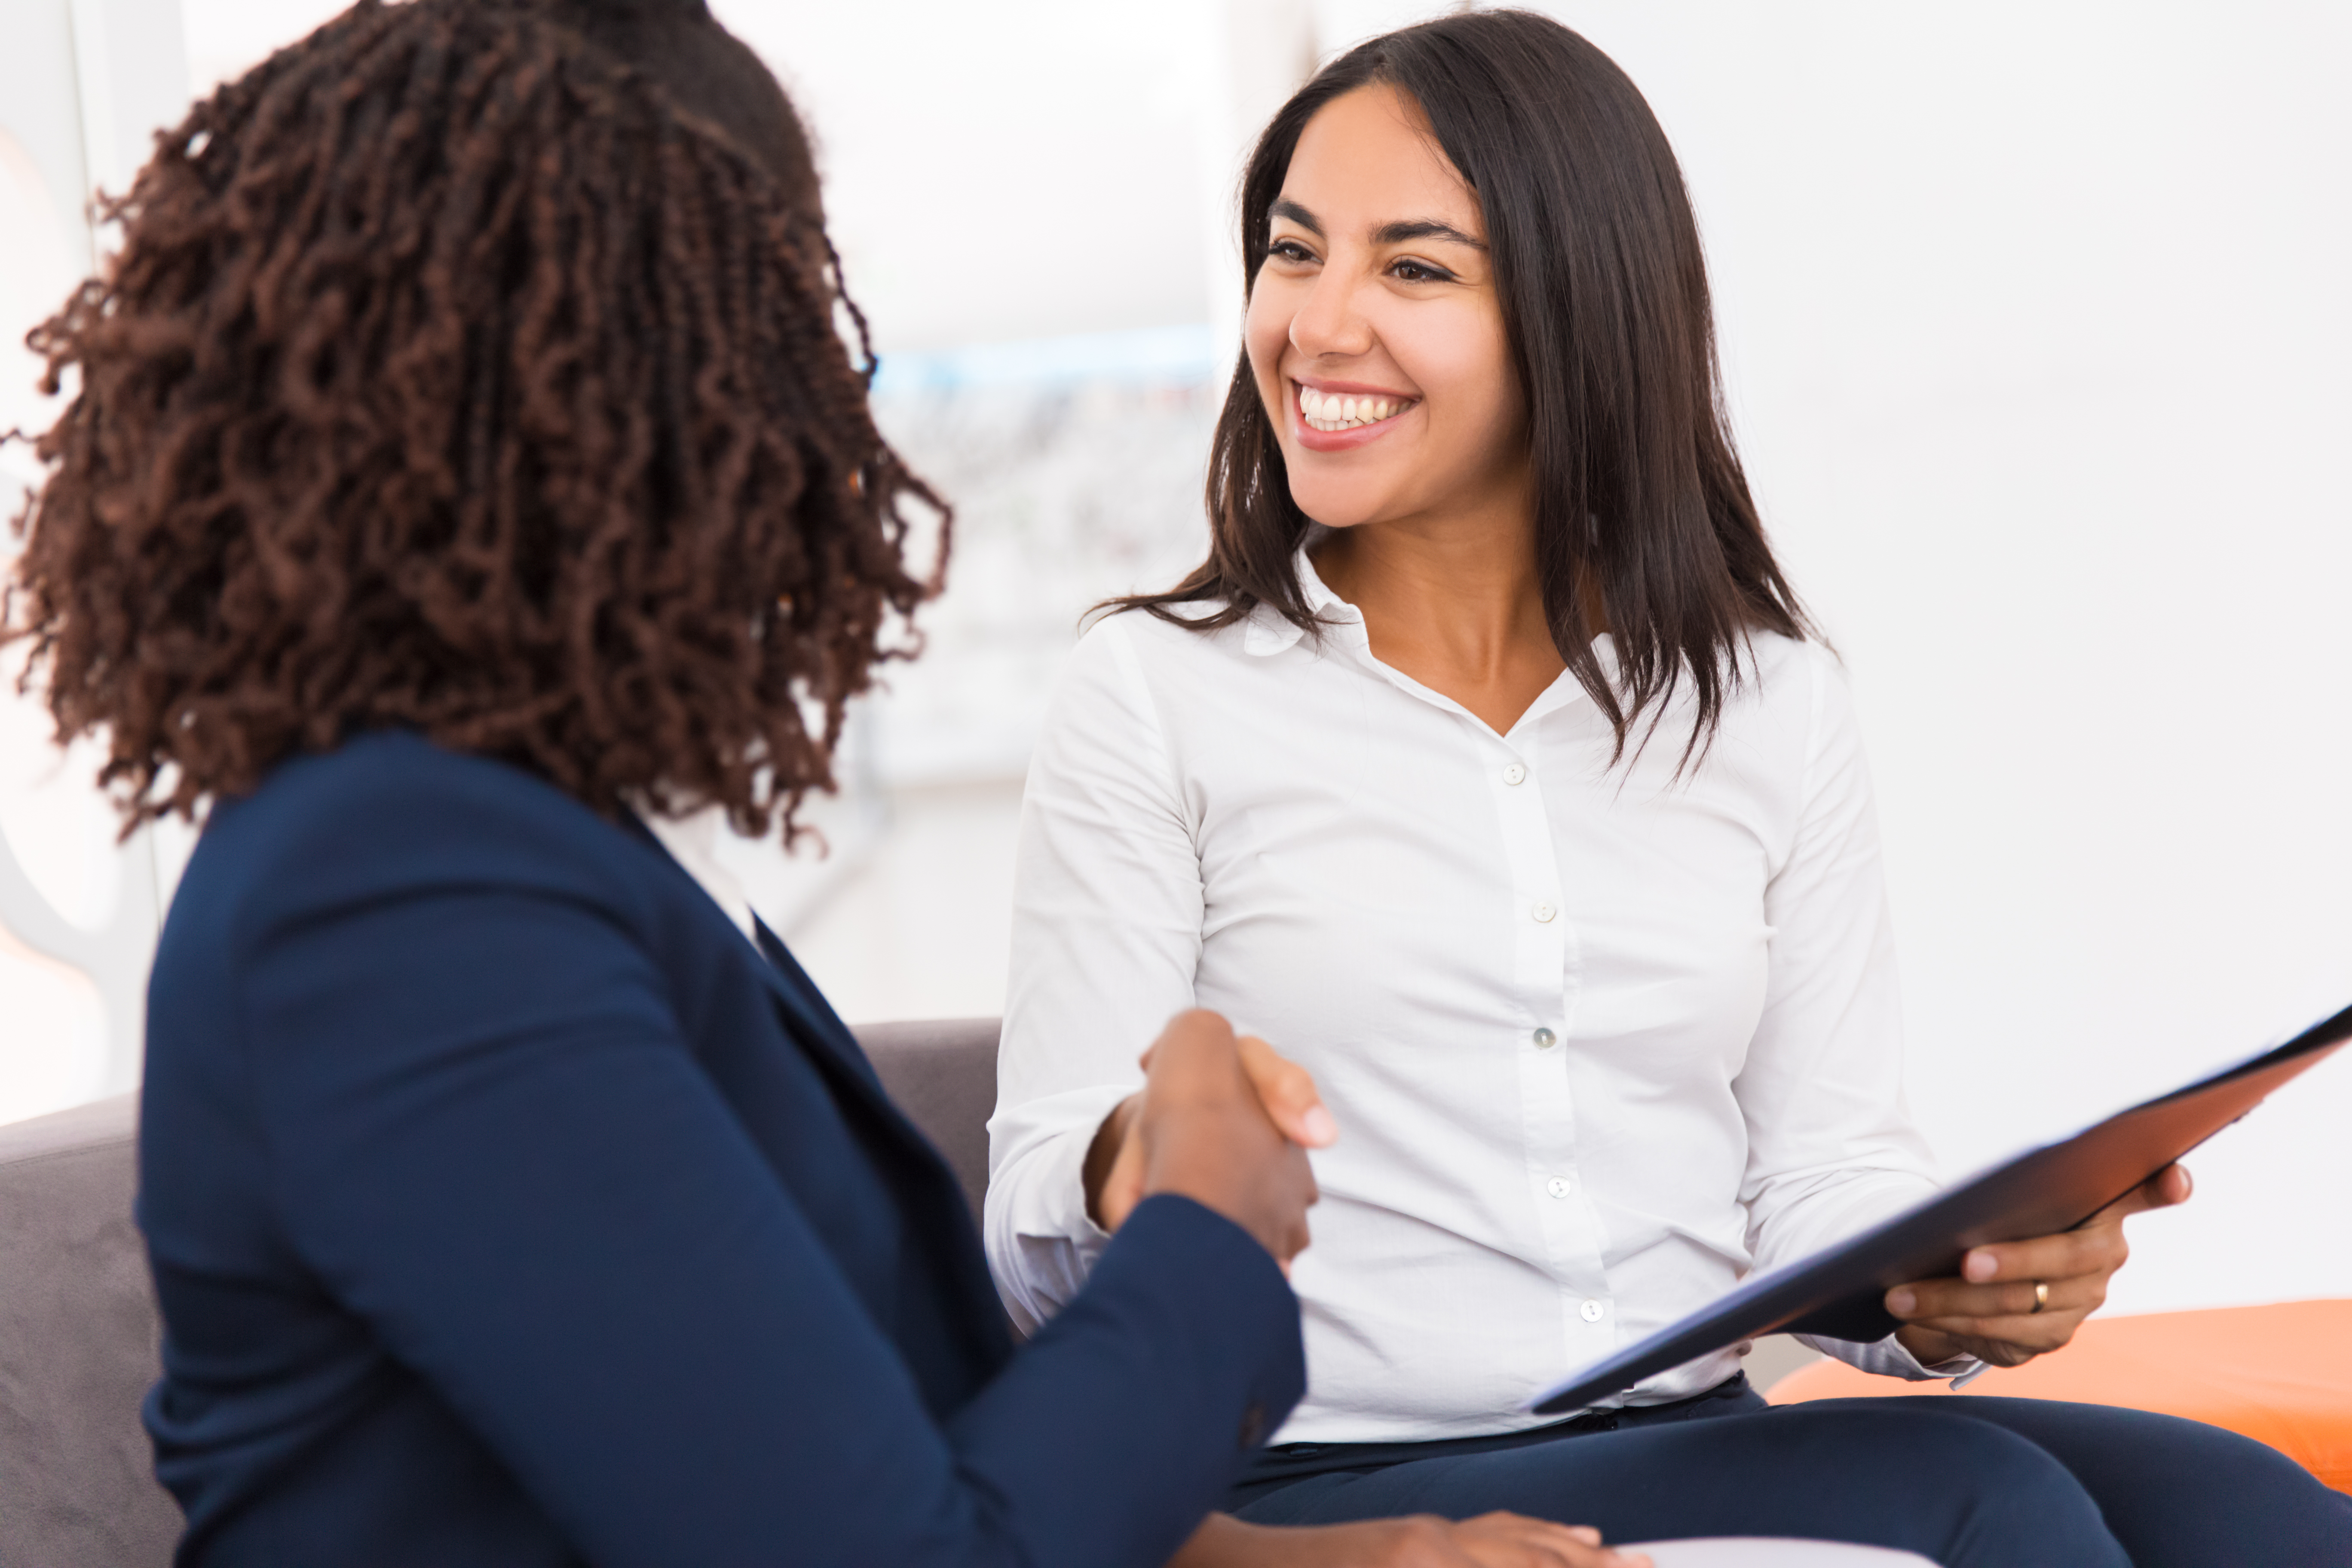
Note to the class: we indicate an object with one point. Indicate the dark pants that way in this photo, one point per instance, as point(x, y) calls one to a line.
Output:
point(1970, 1482)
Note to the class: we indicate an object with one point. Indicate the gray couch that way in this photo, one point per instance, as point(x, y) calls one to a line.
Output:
point(79, 1332)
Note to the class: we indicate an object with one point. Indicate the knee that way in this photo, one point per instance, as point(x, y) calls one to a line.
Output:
point(1980, 1494)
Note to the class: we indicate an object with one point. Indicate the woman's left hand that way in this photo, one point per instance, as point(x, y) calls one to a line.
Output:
point(1989, 1311)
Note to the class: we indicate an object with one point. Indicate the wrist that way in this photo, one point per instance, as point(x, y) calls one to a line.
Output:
point(1939, 1354)
point(1103, 1153)
point(1928, 1346)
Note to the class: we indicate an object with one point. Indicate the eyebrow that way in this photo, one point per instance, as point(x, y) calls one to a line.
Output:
point(1284, 207)
point(1422, 229)
point(1397, 232)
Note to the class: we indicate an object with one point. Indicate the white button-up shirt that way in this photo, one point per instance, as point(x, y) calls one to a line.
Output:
point(1600, 1041)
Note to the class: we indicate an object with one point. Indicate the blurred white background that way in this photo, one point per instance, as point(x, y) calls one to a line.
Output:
point(2036, 326)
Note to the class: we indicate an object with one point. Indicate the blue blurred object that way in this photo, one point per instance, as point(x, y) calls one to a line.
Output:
point(1179, 355)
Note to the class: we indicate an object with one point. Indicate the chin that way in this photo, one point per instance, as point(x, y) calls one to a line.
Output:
point(1342, 505)
point(1331, 512)
point(1340, 494)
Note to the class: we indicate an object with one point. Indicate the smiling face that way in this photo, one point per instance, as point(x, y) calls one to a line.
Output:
point(1375, 332)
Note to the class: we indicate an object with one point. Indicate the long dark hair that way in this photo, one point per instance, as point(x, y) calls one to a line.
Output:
point(1641, 506)
point(470, 366)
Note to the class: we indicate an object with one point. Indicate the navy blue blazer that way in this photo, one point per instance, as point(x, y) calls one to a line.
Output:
point(506, 1207)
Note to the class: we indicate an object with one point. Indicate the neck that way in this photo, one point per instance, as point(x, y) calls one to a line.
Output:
point(1453, 601)
point(1465, 585)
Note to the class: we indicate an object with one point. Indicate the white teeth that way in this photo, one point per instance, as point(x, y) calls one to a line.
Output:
point(1330, 411)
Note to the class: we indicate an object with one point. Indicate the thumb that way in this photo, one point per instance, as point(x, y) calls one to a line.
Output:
point(1288, 1094)
point(2167, 1187)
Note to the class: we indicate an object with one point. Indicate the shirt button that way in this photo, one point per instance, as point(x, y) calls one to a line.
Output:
point(1545, 1039)
point(1543, 913)
point(1515, 773)
point(1560, 1186)
point(1590, 1311)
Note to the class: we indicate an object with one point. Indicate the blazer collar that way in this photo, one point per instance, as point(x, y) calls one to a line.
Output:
point(809, 1019)
point(812, 1021)
point(813, 1025)
point(820, 1032)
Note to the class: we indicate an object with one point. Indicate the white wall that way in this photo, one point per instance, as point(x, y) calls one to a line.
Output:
point(83, 84)
point(2036, 325)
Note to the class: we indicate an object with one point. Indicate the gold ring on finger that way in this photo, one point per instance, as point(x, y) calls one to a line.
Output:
point(2040, 1296)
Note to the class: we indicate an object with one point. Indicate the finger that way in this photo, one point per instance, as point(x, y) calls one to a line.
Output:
point(2175, 1184)
point(2033, 1335)
point(1567, 1552)
point(2168, 1186)
point(1541, 1540)
point(2094, 1249)
point(1289, 1092)
point(1931, 1301)
point(1578, 1546)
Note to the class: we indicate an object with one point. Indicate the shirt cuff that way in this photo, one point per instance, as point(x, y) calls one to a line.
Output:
point(1046, 1243)
point(1890, 1357)
point(1062, 1188)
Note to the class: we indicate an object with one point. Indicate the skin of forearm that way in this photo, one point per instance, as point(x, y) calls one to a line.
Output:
point(1103, 1153)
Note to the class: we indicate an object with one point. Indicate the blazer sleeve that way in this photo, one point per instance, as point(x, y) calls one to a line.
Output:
point(488, 1138)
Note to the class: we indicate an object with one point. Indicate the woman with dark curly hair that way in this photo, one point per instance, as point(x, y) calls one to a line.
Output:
point(462, 478)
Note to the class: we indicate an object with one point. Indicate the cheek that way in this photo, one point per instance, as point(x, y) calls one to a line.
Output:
point(1266, 334)
point(1463, 367)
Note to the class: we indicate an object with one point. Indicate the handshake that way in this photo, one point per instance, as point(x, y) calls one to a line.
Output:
point(1221, 1120)
point(1226, 1122)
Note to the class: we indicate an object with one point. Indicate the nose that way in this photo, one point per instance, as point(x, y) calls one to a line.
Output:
point(1328, 322)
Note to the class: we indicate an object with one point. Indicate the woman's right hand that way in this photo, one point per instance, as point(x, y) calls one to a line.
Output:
point(1489, 1540)
point(1423, 1541)
point(1202, 1128)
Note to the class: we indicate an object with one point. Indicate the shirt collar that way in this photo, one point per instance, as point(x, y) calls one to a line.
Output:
point(1272, 631)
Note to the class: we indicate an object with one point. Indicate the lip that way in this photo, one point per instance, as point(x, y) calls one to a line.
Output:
point(1347, 441)
point(1351, 388)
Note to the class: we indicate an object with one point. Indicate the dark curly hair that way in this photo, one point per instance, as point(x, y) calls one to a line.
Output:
point(470, 366)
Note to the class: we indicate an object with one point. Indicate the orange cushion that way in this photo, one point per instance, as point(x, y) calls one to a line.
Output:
point(2281, 1375)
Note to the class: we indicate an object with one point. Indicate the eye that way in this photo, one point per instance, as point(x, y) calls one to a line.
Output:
point(1289, 250)
point(1419, 272)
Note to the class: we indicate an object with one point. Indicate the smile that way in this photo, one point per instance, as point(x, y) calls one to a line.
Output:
point(1331, 411)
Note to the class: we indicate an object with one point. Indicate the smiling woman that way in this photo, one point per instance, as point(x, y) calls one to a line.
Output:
point(1441, 206)
point(1605, 1025)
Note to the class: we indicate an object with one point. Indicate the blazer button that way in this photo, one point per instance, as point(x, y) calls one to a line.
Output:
point(1253, 1425)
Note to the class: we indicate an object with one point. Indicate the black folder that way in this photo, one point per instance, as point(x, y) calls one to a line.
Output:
point(1840, 1291)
